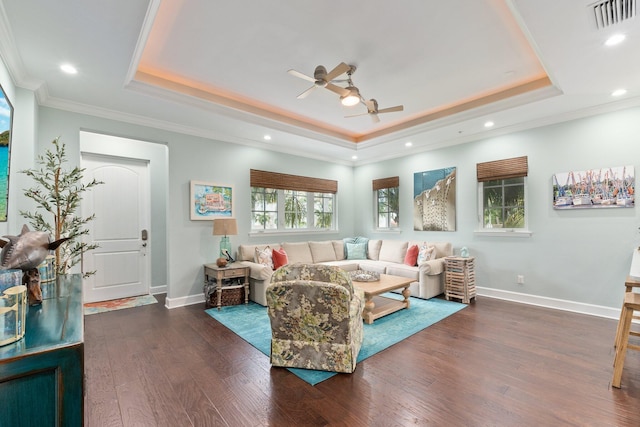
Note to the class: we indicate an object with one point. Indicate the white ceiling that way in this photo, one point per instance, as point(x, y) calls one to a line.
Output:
point(218, 69)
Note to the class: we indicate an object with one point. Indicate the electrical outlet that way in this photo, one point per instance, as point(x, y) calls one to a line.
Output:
point(520, 279)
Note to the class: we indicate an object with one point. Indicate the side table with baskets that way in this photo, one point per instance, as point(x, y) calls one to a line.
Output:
point(460, 278)
point(226, 285)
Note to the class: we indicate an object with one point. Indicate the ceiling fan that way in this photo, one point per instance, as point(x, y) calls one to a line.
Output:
point(373, 111)
point(323, 79)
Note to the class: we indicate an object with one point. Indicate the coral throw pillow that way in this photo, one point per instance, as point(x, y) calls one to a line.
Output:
point(263, 256)
point(279, 258)
point(411, 258)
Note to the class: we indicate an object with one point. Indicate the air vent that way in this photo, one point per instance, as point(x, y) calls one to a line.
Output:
point(611, 12)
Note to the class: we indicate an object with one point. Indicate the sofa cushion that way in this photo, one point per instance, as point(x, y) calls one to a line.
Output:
point(411, 257)
point(393, 251)
point(322, 251)
point(298, 252)
point(344, 264)
point(356, 250)
point(279, 258)
point(264, 256)
point(404, 271)
point(374, 266)
point(248, 252)
point(338, 247)
point(373, 252)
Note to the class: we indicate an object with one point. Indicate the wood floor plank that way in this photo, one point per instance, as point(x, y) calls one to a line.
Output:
point(493, 363)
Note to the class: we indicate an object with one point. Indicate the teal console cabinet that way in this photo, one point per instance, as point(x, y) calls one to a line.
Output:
point(41, 376)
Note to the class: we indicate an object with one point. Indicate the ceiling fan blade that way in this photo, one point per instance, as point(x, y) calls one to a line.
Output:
point(355, 115)
point(375, 118)
point(341, 68)
point(307, 92)
point(302, 76)
point(391, 109)
point(337, 89)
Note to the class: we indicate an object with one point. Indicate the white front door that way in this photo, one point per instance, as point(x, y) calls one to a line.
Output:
point(120, 228)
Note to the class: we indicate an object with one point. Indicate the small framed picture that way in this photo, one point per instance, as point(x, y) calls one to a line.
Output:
point(209, 201)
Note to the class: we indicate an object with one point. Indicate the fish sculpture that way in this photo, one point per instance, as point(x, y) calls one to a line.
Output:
point(27, 250)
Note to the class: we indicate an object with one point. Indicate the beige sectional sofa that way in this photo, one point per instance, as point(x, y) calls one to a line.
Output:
point(384, 256)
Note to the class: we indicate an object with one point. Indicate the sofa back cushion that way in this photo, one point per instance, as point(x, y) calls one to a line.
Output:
point(322, 251)
point(248, 252)
point(298, 252)
point(442, 249)
point(374, 250)
point(393, 251)
point(338, 247)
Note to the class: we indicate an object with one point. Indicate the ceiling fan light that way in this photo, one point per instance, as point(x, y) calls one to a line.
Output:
point(352, 98)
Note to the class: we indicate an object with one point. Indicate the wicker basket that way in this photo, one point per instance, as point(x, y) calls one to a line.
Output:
point(233, 296)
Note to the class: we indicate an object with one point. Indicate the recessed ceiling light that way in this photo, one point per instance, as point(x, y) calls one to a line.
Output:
point(267, 137)
point(354, 157)
point(488, 124)
point(615, 39)
point(408, 144)
point(618, 92)
point(69, 69)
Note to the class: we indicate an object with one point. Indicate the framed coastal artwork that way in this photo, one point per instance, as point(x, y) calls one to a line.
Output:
point(434, 200)
point(6, 119)
point(612, 187)
point(209, 201)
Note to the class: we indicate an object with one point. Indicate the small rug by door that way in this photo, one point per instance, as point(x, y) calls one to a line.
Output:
point(118, 304)
point(251, 323)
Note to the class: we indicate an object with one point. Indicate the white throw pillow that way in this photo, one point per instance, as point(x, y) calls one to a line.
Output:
point(264, 256)
point(426, 253)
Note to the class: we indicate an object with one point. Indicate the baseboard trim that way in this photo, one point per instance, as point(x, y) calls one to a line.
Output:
point(558, 304)
point(155, 290)
point(183, 301)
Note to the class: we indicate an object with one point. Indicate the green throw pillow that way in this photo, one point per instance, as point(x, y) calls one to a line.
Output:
point(356, 250)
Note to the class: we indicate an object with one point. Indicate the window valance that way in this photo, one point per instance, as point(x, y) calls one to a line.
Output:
point(515, 167)
point(283, 181)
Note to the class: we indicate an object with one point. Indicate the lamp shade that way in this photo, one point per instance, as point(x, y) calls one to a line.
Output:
point(225, 227)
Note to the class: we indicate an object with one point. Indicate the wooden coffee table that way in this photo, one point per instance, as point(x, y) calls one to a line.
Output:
point(382, 305)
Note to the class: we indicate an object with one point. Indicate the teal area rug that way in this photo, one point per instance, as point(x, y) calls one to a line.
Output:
point(118, 304)
point(251, 323)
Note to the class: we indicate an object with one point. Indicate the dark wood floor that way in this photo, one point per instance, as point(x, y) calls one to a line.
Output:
point(495, 363)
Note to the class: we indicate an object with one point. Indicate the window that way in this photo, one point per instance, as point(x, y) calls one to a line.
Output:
point(502, 194)
point(387, 201)
point(503, 203)
point(283, 202)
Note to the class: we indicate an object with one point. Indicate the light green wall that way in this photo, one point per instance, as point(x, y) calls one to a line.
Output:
point(574, 255)
point(191, 243)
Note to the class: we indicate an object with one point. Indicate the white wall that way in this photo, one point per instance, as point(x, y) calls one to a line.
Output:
point(578, 256)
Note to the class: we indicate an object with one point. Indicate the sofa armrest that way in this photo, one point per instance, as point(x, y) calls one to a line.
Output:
point(432, 267)
point(258, 271)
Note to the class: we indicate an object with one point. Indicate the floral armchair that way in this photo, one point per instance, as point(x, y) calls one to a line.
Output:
point(316, 318)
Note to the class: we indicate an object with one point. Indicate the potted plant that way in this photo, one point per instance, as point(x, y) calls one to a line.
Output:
point(58, 194)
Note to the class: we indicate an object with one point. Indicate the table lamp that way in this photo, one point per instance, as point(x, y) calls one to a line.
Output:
point(225, 227)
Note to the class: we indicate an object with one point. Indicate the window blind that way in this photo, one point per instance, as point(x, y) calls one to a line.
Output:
point(515, 167)
point(391, 182)
point(283, 181)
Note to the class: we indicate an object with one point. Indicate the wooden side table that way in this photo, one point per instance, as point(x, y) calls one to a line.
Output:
point(217, 276)
point(460, 278)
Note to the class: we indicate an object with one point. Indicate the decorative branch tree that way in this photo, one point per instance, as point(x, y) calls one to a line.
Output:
point(58, 192)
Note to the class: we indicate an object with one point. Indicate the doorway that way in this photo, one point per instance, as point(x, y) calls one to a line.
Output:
point(120, 229)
